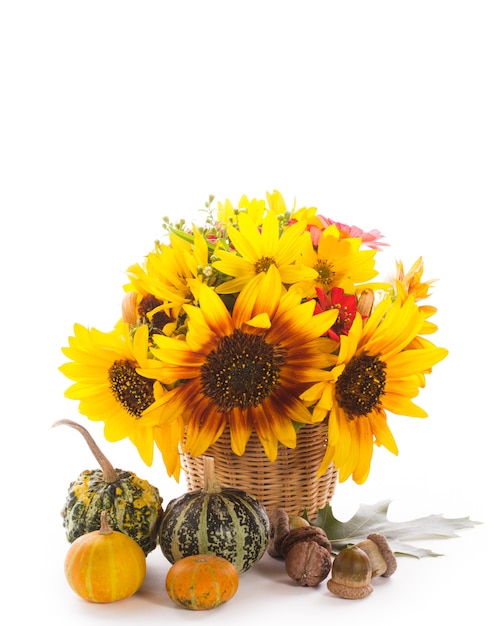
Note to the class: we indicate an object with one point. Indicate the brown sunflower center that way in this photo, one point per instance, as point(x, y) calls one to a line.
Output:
point(160, 318)
point(263, 264)
point(325, 272)
point(361, 385)
point(241, 372)
point(132, 391)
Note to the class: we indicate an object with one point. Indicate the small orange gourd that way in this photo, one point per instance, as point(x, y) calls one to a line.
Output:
point(201, 581)
point(105, 565)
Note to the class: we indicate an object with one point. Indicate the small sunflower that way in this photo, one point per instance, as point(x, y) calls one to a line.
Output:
point(170, 271)
point(246, 369)
point(255, 250)
point(374, 373)
point(108, 387)
point(337, 262)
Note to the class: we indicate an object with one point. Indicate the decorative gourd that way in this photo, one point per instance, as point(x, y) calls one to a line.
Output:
point(134, 506)
point(200, 582)
point(105, 566)
point(225, 522)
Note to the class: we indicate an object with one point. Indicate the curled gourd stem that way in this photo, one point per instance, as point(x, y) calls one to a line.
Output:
point(211, 485)
point(109, 473)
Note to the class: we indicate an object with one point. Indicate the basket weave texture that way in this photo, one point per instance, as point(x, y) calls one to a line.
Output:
point(289, 482)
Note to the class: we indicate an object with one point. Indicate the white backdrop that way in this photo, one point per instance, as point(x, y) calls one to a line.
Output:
point(114, 114)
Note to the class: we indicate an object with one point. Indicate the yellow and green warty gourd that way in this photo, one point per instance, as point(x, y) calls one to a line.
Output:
point(133, 505)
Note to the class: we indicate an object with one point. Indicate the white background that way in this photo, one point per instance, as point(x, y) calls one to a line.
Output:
point(114, 114)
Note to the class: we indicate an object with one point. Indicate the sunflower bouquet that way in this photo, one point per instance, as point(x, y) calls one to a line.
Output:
point(252, 325)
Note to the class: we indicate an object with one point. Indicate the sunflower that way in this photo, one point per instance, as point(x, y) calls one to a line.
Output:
point(256, 250)
point(108, 387)
point(170, 272)
point(374, 373)
point(245, 370)
point(337, 262)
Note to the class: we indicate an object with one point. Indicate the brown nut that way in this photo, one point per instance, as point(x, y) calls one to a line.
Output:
point(302, 534)
point(308, 563)
point(279, 527)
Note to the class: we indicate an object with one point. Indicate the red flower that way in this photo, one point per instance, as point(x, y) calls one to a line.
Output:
point(336, 299)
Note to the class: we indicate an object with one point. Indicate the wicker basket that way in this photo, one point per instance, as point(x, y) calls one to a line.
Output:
point(289, 482)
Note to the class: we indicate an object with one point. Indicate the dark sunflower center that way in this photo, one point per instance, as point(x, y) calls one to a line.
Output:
point(160, 318)
point(361, 385)
point(326, 273)
point(241, 372)
point(132, 391)
point(263, 264)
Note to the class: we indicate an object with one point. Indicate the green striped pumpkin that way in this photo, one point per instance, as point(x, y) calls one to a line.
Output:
point(224, 522)
point(133, 505)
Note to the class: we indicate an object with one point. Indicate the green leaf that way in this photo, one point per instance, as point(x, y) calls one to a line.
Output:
point(374, 519)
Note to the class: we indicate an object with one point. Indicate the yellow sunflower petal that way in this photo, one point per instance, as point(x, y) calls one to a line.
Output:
point(266, 435)
point(291, 244)
point(143, 439)
point(269, 238)
point(240, 430)
point(118, 428)
point(168, 439)
point(402, 406)
point(365, 449)
point(246, 240)
point(409, 362)
point(384, 436)
point(204, 427)
point(260, 296)
point(214, 311)
point(326, 461)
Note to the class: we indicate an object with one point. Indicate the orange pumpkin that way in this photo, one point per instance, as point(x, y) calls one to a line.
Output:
point(201, 581)
point(105, 566)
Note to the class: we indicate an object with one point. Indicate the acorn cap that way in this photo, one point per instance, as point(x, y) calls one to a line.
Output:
point(349, 593)
point(387, 553)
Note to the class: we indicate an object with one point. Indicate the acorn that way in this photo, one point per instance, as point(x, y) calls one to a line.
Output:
point(351, 574)
point(381, 556)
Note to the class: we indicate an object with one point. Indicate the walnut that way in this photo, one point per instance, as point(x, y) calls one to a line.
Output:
point(308, 563)
point(306, 549)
